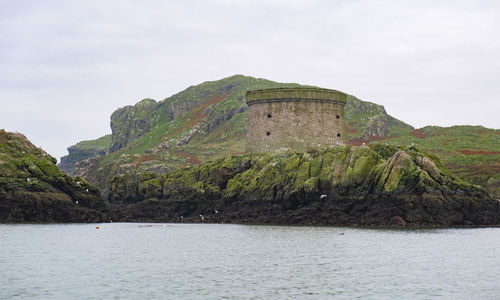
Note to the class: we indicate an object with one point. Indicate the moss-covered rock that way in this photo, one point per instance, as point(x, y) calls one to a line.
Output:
point(34, 189)
point(201, 123)
point(379, 185)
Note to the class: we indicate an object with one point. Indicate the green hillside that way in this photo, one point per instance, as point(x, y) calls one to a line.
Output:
point(208, 121)
point(101, 143)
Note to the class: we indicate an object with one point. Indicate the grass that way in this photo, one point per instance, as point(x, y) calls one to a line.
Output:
point(100, 143)
point(470, 151)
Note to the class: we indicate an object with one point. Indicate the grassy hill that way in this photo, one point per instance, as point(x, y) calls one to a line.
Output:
point(208, 121)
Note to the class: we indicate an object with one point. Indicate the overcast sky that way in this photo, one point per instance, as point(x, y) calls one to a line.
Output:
point(65, 66)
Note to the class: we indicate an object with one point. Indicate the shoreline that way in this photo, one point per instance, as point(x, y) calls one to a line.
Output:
point(374, 227)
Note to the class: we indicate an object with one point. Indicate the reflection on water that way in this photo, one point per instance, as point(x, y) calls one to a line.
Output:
point(181, 261)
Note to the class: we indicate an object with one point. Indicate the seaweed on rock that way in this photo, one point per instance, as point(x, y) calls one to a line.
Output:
point(344, 185)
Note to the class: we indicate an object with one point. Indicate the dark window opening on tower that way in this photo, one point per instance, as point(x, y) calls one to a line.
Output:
point(338, 134)
point(268, 132)
point(338, 117)
point(269, 116)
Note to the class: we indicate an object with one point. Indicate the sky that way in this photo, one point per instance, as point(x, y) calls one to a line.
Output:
point(65, 66)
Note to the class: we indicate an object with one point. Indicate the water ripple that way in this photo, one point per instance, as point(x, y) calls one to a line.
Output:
point(179, 261)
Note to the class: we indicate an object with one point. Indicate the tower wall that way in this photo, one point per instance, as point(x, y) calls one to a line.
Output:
point(295, 118)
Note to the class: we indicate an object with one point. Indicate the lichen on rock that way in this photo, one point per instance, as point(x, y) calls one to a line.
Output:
point(378, 185)
point(34, 189)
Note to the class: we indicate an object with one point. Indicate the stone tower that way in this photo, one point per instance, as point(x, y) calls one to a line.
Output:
point(296, 118)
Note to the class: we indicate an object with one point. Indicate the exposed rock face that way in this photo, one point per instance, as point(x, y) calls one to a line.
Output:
point(367, 120)
point(130, 122)
point(76, 155)
point(160, 137)
point(379, 185)
point(377, 126)
point(82, 151)
point(186, 138)
point(34, 189)
point(203, 122)
point(84, 167)
point(492, 185)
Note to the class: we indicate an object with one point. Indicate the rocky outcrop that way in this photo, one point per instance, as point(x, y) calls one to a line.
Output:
point(130, 122)
point(76, 155)
point(82, 151)
point(34, 189)
point(377, 185)
point(83, 168)
point(492, 185)
point(367, 120)
point(202, 122)
point(189, 135)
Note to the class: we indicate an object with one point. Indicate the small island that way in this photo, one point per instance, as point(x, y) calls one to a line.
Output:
point(297, 170)
point(285, 179)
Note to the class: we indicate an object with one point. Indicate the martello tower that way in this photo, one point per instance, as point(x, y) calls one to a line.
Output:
point(295, 118)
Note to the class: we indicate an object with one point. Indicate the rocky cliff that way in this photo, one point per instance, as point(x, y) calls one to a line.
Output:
point(201, 123)
point(369, 121)
point(208, 121)
point(34, 189)
point(376, 185)
point(82, 151)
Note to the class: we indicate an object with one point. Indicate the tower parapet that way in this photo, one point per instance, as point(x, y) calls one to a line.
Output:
point(295, 118)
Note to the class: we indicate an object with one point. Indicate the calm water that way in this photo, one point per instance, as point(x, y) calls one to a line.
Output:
point(179, 261)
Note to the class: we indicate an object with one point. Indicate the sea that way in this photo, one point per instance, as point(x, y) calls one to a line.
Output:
point(222, 261)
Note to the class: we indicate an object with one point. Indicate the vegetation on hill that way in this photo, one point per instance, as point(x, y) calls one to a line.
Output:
point(34, 189)
point(208, 121)
point(201, 123)
point(345, 185)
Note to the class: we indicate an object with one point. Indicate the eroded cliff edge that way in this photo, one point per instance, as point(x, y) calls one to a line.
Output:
point(345, 185)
